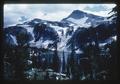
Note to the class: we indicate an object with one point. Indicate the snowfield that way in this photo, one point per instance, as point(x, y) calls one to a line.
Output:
point(80, 22)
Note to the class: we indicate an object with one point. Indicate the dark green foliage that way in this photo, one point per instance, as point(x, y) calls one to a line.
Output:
point(97, 63)
point(42, 30)
point(63, 64)
point(56, 60)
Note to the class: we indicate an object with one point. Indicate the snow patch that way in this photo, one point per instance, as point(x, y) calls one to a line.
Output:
point(62, 35)
point(114, 38)
point(81, 22)
point(41, 43)
point(14, 39)
point(78, 51)
point(59, 29)
point(29, 29)
point(108, 41)
point(102, 44)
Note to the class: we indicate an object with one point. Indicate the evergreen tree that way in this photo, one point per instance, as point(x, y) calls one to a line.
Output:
point(74, 68)
point(39, 59)
point(20, 59)
point(21, 55)
point(63, 64)
point(56, 61)
point(68, 67)
point(116, 10)
point(34, 60)
point(111, 61)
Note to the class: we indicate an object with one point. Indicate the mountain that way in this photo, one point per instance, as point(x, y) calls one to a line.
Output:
point(71, 48)
point(83, 19)
point(103, 34)
point(43, 33)
point(15, 35)
point(35, 21)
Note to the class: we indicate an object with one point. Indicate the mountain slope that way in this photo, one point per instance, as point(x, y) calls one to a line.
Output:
point(43, 33)
point(83, 19)
point(101, 33)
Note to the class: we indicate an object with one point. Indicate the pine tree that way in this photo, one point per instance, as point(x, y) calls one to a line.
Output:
point(68, 66)
point(73, 62)
point(63, 64)
point(21, 55)
point(56, 61)
point(20, 59)
point(116, 19)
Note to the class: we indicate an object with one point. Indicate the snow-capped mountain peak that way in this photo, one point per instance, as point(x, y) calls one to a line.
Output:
point(77, 14)
point(83, 19)
point(44, 33)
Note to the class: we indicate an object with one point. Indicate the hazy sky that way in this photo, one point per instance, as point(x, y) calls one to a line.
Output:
point(15, 13)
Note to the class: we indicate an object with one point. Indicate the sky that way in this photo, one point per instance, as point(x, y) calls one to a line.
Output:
point(17, 13)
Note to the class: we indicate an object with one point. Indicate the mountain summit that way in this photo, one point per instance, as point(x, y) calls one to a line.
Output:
point(43, 33)
point(83, 19)
point(77, 14)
